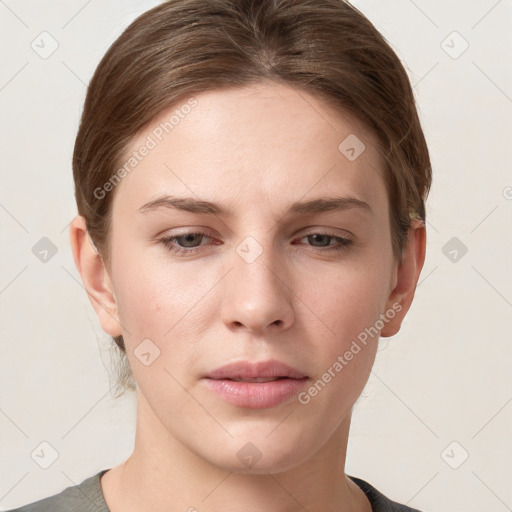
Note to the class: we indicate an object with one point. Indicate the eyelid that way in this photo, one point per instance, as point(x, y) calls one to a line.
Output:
point(311, 230)
point(343, 242)
point(329, 230)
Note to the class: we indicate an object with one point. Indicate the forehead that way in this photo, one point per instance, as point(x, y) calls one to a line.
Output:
point(257, 145)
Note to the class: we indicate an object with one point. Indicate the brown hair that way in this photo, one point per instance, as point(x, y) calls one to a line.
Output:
point(181, 47)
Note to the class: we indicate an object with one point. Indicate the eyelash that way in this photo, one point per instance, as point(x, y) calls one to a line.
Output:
point(167, 242)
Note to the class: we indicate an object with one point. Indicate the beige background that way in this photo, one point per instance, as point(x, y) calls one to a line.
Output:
point(440, 390)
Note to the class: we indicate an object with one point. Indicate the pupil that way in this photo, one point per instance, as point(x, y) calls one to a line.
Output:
point(316, 237)
point(189, 238)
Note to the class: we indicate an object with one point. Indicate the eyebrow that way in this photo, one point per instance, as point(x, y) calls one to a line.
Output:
point(315, 206)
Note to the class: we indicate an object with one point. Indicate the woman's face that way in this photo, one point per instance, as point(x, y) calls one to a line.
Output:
point(259, 281)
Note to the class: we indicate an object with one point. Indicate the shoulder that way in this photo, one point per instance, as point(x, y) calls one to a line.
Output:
point(378, 501)
point(85, 497)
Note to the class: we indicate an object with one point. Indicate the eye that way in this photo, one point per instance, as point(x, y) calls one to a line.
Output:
point(188, 243)
point(188, 239)
point(322, 237)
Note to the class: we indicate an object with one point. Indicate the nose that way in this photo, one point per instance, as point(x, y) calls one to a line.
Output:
point(256, 295)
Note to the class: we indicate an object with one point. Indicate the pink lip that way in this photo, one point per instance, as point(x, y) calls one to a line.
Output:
point(256, 395)
point(247, 370)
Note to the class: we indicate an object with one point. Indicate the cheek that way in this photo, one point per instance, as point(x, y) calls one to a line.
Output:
point(148, 287)
point(172, 304)
point(349, 297)
point(345, 343)
point(156, 304)
point(345, 307)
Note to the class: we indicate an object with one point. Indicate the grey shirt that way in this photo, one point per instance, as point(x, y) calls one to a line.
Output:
point(88, 497)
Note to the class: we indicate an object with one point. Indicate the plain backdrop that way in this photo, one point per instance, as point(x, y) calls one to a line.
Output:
point(433, 426)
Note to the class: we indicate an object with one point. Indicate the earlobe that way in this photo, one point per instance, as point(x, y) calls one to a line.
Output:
point(407, 275)
point(94, 276)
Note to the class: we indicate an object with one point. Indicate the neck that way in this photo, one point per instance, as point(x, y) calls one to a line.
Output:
point(162, 474)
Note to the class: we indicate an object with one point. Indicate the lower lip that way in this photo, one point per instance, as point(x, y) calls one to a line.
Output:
point(256, 395)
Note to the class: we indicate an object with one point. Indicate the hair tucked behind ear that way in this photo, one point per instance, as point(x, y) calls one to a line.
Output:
point(183, 47)
point(124, 380)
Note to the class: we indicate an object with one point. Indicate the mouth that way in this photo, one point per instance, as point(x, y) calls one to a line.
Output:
point(260, 371)
point(259, 379)
point(257, 392)
point(256, 385)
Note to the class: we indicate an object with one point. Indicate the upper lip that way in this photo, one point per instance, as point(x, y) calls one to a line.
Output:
point(247, 370)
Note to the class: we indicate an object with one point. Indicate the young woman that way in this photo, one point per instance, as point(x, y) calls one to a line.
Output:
point(251, 179)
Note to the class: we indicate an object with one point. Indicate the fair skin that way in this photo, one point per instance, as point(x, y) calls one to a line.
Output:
point(255, 151)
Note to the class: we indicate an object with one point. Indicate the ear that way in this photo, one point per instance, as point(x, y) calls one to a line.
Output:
point(94, 276)
point(406, 277)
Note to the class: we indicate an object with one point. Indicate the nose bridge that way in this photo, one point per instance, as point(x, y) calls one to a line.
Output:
point(256, 296)
point(255, 262)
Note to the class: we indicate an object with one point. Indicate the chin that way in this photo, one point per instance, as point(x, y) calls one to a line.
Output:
point(258, 454)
